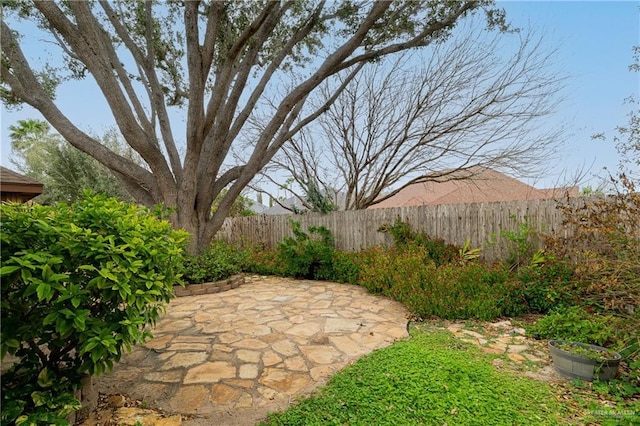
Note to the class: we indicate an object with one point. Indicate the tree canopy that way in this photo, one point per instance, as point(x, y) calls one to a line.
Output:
point(222, 64)
point(65, 171)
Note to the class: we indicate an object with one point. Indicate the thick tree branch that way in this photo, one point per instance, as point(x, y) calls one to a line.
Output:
point(145, 64)
point(21, 79)
point(94, 46)
point(218, 63)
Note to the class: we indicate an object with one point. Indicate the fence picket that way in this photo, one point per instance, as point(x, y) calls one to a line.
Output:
point(355, 230)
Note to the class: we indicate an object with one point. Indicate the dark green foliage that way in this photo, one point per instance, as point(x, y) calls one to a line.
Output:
point(318, 200)
point(546, 286)
point(450, 291)
point(80, 284)
point(400, 231)
point(345, 267)
point(65, 171)
point(381, 268)
point(579, 325)
point(219, 261)
point(47, 400)
point(307, 255)
point(262, 261)
point(436, 248)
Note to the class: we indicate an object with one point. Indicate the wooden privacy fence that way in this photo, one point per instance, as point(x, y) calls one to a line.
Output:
point(354, 230)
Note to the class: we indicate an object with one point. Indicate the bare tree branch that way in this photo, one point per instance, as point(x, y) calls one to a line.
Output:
point(464, 106)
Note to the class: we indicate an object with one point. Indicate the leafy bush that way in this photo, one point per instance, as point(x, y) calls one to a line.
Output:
point(345, 267)
point(577, 324)
point(307, 255)
point(219, 261)
point(546, 286)
point(436, 248)
point(79, 284)
point(262, 261)
point(450, 291)
point(469, 291)
point(522, 244)
point(377, 273)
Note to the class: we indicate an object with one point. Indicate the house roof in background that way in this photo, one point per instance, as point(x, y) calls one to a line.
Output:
point(475, 185)
point(294, 202)
point(276, 208)
point(11, 181)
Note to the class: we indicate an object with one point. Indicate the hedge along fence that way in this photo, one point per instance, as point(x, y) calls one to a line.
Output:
point(355, 230)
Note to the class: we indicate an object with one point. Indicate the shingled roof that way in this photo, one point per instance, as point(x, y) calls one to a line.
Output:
point(17, 187)
point(476, 185)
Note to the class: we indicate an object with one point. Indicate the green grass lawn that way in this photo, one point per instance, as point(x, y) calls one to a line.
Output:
point(430, 379)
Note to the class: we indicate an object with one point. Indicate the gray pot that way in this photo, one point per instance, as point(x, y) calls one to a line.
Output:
point(577, 366)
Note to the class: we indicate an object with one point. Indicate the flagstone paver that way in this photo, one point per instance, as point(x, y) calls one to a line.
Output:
point(231, 357)
point(502, 338)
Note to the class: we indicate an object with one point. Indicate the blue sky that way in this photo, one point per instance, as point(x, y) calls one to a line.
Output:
point(594, 40)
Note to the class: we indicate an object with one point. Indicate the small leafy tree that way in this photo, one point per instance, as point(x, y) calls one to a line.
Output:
point(241, 206)
point(80, 284)
point(307, 255)
point(320, 201)
point(65, 171)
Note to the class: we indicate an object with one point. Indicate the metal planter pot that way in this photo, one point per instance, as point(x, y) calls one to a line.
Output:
point(578, 366)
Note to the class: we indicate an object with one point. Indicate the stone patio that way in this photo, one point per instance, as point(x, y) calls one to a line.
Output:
point(230, 358)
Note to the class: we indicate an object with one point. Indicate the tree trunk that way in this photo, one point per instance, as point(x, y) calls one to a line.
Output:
point(219, 62)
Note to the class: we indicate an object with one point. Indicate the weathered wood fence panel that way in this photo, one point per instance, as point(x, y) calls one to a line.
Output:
point(354, 230)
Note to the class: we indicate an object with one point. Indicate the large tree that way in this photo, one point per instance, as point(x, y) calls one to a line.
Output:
point(474, 100)
point(218, 61)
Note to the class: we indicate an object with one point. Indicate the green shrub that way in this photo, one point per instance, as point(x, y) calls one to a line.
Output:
point(80, 283)
point(467, 291)
point(521, 243)
point(546, 286)
point(219, 261)
point(577, 324)
point(345, 267)
point(307, 255)
point(378, 267)
point(262, 261)
point(401, 232)
point(436, 248)
point(450, 291)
